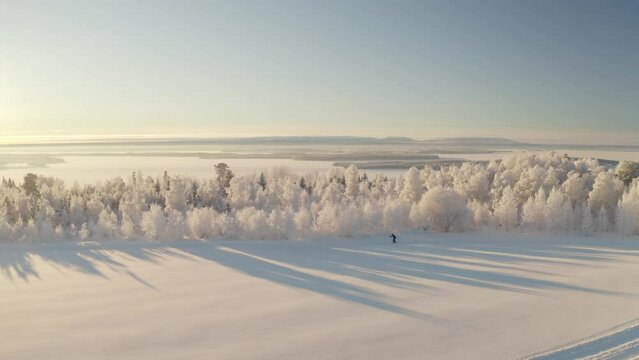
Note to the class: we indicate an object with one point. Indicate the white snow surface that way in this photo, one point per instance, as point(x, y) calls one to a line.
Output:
point(621, 342)
point(474, 295)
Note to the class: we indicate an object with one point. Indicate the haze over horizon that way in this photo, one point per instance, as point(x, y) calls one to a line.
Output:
point(538, 71)
point(239, 139)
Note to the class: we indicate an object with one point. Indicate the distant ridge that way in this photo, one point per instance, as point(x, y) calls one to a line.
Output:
point(263, 140)
point(474, 143)
point(220, 140)
point(479, 140)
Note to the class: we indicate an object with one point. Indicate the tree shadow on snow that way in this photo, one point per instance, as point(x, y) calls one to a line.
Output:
point(18, 262)
point(487, 264)
point(348, 270)
point(282, 273)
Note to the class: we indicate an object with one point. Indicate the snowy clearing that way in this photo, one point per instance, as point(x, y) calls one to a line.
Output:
point(434, 296)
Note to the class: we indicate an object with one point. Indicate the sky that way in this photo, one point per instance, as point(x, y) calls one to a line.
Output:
point(551, 71)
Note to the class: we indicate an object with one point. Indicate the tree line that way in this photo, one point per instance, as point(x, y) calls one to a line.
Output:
point(523, 192)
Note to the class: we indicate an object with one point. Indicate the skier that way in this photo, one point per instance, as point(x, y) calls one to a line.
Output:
point(394, 238)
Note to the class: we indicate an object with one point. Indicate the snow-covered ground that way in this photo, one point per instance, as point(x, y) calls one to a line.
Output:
point(432, 296)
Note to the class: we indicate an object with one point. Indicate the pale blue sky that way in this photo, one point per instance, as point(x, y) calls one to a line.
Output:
point(529, 70)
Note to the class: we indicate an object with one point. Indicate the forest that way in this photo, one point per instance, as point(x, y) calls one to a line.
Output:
point(523, 192)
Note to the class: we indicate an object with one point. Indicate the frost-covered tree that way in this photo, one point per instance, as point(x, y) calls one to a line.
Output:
point(351, 176)
point(507, 210)
point(603, 220)
point(442, 209)
point(253, 223)
point(241, 192)
point(628, 211)
point(175, 228)
point(281, 224)
point(303, 221)
point(529, 183)
point(413, 187)
point(575, 188)
point(153, 223)
point(604, 196)
point(472, 181)
point(340, 220)
point(558, 212)
point(510, 194)
point(132, 209)
point(533, 212)
point(627, 171)
point(107, 226)
point(210, 195)
point(395, 215)
point(481, 211)
point(588, 223)
point(176, 196)
point(202, 223)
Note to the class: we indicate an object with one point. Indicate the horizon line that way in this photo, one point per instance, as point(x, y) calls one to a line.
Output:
point(93, 139)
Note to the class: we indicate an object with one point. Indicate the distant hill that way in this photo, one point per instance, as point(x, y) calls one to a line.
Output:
point(467, 144)
point(478, 141)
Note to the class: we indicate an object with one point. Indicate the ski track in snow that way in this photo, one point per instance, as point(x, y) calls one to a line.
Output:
point(619, 343)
